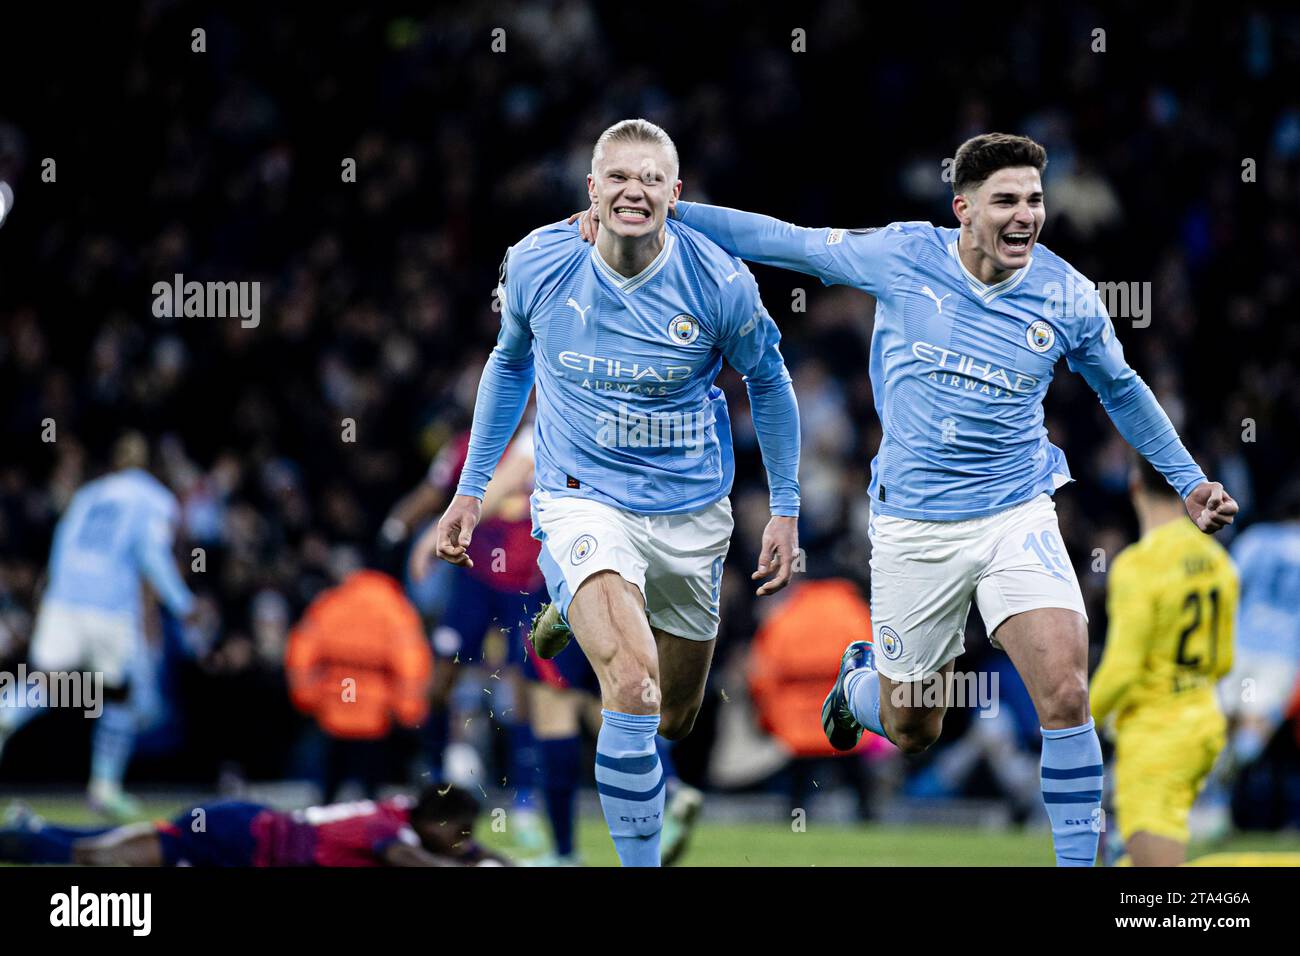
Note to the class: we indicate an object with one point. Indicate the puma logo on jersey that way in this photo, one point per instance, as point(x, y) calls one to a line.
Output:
point(938, 302)
point(732, 276)
point(582, 313)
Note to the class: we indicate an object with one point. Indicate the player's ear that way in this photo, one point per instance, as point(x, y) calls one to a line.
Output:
point(677, 194)
point(591, 187)
point(961, 208)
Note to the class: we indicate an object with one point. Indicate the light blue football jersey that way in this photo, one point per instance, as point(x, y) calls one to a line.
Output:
point(1268, 616)
point(627, 410)
point(959, 368)
point(116, 532)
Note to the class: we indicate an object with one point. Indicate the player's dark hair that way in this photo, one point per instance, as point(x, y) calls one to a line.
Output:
point(981, 156)
point(440, 802)
point(1150, 480)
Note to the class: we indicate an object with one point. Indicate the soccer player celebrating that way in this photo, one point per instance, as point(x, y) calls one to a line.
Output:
point(1171, 602)
point(116, 534)
point(634, 456)
point(970, 323)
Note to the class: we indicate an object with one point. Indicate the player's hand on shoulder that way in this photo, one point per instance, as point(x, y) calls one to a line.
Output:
point(777, 556)
point(1210, 506)
point(588, 222)
point(450, 538)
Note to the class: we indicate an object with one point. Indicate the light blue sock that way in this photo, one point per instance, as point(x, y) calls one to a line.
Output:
point(862, 687)
point(112, 743)
point(1071, 779)
point(630, 782)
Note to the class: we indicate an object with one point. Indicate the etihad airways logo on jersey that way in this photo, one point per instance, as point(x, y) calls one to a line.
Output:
point(970, 374)
point(612, 374)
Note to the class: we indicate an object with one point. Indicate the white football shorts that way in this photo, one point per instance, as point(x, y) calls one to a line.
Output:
point(1259, 685)
point(72, 638)
point(675, 560)
point(924, 574)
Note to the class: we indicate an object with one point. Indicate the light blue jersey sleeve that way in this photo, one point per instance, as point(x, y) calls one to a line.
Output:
point(153, 547)
point(752, 346)
point(503, 389)
point(866, 259)
point(1130, 403)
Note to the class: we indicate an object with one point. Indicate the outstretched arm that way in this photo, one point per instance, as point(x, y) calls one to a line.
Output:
point(860, 258)
point(1139, 418)
point(763, 239)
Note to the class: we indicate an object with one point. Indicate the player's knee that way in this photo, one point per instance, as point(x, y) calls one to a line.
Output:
point(1067, 704)
point(628, 680)
point(914, 733)
point(916, 739)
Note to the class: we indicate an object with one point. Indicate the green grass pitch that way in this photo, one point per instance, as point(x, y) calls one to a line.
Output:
point(776, 844)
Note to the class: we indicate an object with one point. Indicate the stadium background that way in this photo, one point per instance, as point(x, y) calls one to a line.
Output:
point(375, 295)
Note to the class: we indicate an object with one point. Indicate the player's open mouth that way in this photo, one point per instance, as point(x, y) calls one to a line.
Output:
point(631, 213)
point(1016, 241)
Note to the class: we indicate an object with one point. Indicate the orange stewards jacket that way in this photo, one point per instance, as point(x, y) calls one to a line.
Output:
point(796, 655)
point(358, 659)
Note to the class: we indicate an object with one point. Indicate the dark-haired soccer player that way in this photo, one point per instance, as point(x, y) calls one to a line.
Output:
point(436, 830)
point(1171, 601)
point(970, 324)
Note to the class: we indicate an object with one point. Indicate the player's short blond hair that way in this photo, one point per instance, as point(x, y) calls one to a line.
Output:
point(636, 131)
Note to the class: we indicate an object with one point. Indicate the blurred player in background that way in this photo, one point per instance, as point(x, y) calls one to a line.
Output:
point(117, 534)
point(634, 455)
point(1172, 602)
point(356, 662)
point(501, 592)
point(1262, 683)
point(435, 830)
point(969, 326)
point(561, 692)
point(787, 680)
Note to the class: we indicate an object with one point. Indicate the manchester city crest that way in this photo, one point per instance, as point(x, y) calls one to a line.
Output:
point(582, 549)
point(683, 329)
point(1040, 336)
point(891, 645)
